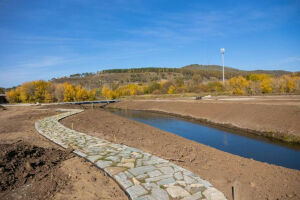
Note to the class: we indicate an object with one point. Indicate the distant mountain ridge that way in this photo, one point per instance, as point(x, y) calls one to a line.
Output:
point(196, 67)
point(230, 69)
point(210, 67)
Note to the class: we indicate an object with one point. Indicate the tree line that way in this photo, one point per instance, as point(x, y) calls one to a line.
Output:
point(140, 70)
point(253, 84)
point(46, 92)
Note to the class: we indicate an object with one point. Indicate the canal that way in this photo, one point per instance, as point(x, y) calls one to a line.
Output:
point(238, 143)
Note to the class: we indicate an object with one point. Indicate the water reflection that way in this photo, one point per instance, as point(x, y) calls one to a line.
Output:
point(225, 142)
point(249, 147)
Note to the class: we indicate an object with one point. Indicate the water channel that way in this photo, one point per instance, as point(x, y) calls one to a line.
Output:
point(242, 144)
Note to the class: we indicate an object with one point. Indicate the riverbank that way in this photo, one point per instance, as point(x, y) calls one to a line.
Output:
point(252, 179)
point(272, 117)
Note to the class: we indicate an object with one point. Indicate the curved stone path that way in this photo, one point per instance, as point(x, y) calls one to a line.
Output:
point(143, 176)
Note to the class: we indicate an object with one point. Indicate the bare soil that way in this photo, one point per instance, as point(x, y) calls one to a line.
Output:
point(31, 167)
point(24, 168)
point(252, 179)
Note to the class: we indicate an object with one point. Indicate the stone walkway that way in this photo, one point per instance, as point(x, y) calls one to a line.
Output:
point(143, 176)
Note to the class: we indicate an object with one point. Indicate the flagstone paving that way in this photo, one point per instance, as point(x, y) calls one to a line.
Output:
point(143, 176)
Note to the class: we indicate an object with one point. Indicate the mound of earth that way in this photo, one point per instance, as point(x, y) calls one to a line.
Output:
point(30, 172)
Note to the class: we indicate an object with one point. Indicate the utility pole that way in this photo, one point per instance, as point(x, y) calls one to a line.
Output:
point(222, 52)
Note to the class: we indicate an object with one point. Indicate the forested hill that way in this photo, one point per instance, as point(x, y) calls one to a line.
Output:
point(151, 74)
point(242, 72)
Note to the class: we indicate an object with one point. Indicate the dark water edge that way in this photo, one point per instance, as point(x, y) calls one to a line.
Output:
point(229, 140)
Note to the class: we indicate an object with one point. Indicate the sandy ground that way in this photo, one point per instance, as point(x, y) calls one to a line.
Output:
point(252, 179)
point(31, 167)
point(276, 117)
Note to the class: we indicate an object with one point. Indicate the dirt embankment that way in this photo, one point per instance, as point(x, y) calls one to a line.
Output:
point(255, 180)
point(274, 120)
point(31, 167)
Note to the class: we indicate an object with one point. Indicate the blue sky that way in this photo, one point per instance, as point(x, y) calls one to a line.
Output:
point(42, 39)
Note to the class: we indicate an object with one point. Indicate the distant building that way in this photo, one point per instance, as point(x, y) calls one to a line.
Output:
point(3, 98)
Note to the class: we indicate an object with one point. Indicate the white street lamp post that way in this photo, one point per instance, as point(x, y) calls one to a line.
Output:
point(222, 52)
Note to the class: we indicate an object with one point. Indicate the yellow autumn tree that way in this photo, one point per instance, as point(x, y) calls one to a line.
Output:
point(69, 92)
point(35, 91)
point(44, 91)
point(78, 93)
point(266, 85)
point(41, 89)
point(128, 90)
point(291, 85)
point(171, 90)
point(106, 92)
point(258, 77)
point(81, 94)
point(288, 83)
point(13, 96)
point(48, 97)
point(133, 89)
point(92, 94)
point(238, 85)
point(263, 81)
point(27, 91)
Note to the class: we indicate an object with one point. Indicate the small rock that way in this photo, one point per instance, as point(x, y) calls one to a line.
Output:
point(128, 165)
point(135, 182)
point(290, 195)
point(252, 184)
point(136, 191)
point(197, 185)
point(114, 170)
point(28, 166)
point(182, 183)
point(160, 194)
point(177, 192)
point(126, 160)
point(213, 193)
point(205, 166)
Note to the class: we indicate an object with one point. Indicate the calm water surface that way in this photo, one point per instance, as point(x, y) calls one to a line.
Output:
point(244, 145)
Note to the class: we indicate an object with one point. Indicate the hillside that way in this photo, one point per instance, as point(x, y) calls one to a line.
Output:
point(210, 68)
point(150, 74)
point(233, 70)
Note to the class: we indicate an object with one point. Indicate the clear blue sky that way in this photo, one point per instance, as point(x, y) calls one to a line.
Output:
point(42, 39)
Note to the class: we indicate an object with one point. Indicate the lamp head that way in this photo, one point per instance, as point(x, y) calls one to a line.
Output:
point(222, 50)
